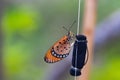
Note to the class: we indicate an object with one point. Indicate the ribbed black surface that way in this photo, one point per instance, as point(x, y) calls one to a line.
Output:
point(80, 47)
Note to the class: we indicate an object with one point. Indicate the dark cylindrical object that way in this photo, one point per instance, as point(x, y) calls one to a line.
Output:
point(80, 47)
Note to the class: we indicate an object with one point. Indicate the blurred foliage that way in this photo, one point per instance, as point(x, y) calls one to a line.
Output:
point(109, 65)
point(20, 19)
point(30, 29)
point(20, 27)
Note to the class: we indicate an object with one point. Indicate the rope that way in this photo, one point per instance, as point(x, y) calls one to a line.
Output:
point(78, 23)
point(78, 30)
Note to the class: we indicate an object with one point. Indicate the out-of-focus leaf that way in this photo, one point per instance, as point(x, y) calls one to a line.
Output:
point(21, 20)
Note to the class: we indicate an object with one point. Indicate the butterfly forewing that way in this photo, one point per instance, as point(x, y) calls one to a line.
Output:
point(58, 51)
point(62, 47)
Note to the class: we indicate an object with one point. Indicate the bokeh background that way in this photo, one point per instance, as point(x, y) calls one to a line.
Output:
point(30, 27)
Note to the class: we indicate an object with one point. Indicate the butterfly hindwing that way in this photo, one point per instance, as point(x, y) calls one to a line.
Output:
point(49, 58)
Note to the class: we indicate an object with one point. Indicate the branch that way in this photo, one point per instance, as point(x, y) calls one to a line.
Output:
point(108, 30)
point(89, 23)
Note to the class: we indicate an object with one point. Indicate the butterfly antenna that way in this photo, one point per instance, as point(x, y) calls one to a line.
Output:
point(65, 28)
point(72, 25)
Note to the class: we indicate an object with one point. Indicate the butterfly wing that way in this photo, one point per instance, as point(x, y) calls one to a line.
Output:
point(49, 58)
point(58, 51)
point(62, 48)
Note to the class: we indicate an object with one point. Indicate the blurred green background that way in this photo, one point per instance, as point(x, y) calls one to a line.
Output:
point(30, 27)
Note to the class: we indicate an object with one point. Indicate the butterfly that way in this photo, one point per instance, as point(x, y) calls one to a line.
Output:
point(61, 48)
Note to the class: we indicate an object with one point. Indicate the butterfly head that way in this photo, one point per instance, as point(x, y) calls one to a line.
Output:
point(70, 35)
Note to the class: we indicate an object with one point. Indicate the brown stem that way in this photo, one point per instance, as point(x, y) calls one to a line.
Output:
point(89, 22)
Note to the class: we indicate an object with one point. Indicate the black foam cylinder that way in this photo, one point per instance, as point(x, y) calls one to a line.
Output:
point(80, 47)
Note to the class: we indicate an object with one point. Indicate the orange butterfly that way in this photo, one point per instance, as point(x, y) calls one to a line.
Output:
point(61, 48)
